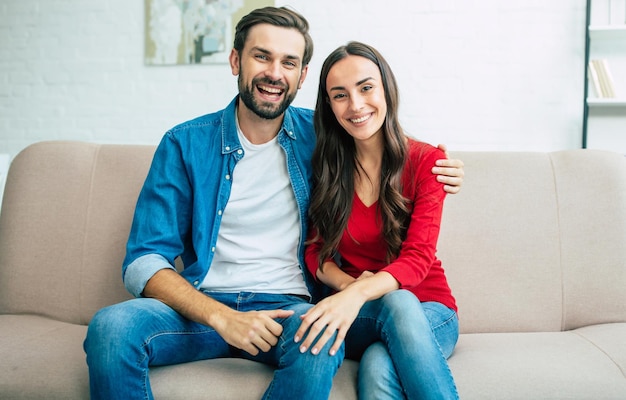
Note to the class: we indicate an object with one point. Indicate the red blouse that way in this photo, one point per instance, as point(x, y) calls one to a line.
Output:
point(416, 268)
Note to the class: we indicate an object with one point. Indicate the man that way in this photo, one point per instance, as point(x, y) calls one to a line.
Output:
point(228, 193)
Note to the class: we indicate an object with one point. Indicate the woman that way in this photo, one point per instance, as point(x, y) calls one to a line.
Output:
point(375, 217)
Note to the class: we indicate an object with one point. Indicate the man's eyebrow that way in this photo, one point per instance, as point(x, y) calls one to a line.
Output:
point(260, 50)
point(265, 51)
point(362, 81)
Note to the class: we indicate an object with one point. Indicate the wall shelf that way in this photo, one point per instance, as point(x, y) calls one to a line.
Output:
point(605, 117)
point(595, 102)
point(607, 31)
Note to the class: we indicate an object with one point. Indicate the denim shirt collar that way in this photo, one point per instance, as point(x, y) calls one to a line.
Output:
point(230, 141)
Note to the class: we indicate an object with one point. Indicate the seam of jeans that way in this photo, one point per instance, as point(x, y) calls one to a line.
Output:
point(146, 344)
point(146, 386)
point(446, 322)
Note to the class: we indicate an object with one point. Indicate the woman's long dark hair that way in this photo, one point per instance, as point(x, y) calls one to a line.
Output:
point(335, 164)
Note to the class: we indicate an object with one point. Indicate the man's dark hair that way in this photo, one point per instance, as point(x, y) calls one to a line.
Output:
point(277, 16)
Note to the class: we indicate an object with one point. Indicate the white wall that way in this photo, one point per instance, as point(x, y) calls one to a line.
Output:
point(4, 168)
point(474, 74)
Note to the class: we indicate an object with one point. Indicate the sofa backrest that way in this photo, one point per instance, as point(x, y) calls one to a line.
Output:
point(533, 242)
point(64, 223)
point(537, 241)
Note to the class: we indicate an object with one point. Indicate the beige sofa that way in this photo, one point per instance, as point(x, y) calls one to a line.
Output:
point(534, 247)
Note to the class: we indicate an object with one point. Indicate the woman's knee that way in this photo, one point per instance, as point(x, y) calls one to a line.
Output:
point(399, 296)
point(401, 306)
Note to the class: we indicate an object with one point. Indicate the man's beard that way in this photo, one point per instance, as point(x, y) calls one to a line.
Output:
point(263, 110)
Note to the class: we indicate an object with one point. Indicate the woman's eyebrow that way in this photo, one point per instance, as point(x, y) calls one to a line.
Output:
point(362, 81)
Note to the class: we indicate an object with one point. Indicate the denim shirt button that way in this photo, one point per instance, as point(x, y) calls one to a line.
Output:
point(239, 151)
point(213, 249)
point(195, 283)
point(219, 212)
point(227, 177)
point(227, 148)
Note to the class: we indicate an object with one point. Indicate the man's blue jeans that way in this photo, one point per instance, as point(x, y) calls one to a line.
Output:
point(403, 346)
point(123, 340)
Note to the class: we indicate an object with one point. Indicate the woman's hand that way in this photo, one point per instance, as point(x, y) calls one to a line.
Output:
point(335, 313)
point(364, 275)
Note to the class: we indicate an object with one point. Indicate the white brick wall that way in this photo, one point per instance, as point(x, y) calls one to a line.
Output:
point(474, 74)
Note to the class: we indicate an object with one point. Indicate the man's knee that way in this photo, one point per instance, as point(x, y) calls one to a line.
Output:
point(114, 326)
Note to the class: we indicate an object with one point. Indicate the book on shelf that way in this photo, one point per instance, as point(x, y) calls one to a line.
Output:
point(601, 78)
point(594, 80)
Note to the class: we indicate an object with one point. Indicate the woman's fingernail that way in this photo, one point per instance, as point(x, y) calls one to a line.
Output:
point(302, 349)
point(296, 339)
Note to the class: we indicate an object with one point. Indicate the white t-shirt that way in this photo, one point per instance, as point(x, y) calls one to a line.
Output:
point(257, 244)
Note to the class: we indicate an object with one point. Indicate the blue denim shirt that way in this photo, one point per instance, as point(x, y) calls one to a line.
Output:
point(180, 206)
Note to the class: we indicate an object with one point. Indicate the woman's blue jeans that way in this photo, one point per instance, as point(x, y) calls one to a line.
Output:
point(125, 339)
point(403, 346)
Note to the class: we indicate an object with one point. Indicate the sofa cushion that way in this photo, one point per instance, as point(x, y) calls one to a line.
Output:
point(41, 358)
point(233, 379)
point(549, 365)
point(610, 339)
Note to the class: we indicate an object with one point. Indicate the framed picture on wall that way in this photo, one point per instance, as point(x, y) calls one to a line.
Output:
point(183, 32)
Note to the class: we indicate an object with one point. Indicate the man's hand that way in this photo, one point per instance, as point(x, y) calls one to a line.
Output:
point(250, 331)
point(449, 172)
